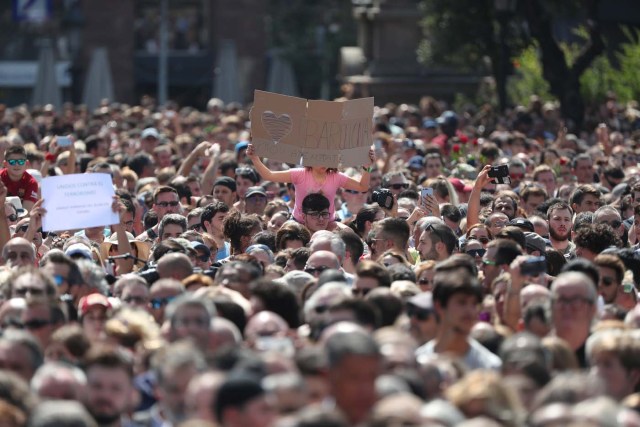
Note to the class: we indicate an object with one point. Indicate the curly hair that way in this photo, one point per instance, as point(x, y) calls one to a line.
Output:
point(596, 238)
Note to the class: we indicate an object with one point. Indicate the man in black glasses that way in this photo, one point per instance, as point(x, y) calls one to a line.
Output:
point(15, 177)
point(423, 324)
point(609, 215)
point(321, 261)
point(315, 212)
point(165, 201)
point(396, 182)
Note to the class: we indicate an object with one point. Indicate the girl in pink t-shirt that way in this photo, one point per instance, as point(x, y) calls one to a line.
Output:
point(315, 179)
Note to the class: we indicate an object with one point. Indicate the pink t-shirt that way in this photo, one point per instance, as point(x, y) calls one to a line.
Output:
point(304, 183)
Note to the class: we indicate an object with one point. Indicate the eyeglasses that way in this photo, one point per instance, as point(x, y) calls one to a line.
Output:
point(161, 302)
point(355, 192)
point(433, 231)
point(360, 291)
point(319, 309)
point(36, 323)
point(313, 270)
point(318, 215)
point(615, 224)
point(487, 262)
point(135, 300)
point(572, 301)
point(167, 204)
point(29, 290)
point(198, 322)
point(399, 186)
point(424, 282)
point(420, 314)
point(14, 162)
point(128, 223)
point(59, 279)
point(195, 227)
point(500, 224)
point(476, 252)
point(12, 217)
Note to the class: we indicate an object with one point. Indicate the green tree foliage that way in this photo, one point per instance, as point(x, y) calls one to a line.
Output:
point(616, 73)
point(465, 32)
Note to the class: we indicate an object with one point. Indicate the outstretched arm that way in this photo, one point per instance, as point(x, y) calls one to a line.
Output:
point(264, 171)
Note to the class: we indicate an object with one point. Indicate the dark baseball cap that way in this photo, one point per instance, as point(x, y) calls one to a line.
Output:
point(226, 181)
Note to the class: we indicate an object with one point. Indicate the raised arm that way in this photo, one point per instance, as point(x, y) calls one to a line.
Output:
point(124, 247)
point(266, 173)
point(473, 208)
point(211, 170)
point(192, 158)
point(363, 183)
point(5, 233)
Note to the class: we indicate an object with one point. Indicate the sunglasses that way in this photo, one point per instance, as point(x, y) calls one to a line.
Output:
point(167, 204)
point(195, 227)
point(14, 162)
point(615, 224)
point(59, 279)
point(399, 186)
point(27, 290)
point(12, 217)
point(418, 313)
point(424, 282)
point(23, 228)
point(355, 192)
point(476, 252)
point(203, 258)
point(161, 302)
point(313, 270)
point(36, 323)
point(135, 300)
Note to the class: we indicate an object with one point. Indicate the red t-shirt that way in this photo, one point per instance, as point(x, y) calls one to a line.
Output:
point(26, 188)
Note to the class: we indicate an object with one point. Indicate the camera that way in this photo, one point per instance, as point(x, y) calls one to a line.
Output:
point(383, 197)
point(500, 174)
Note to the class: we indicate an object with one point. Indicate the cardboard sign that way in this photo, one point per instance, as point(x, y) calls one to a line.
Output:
point(312, 133)
point(78, 201)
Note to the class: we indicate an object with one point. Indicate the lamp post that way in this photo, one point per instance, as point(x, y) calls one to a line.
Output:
point(163, 57)
point(504, 11)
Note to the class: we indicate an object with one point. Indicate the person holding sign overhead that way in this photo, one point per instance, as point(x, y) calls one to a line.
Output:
point(314, 179)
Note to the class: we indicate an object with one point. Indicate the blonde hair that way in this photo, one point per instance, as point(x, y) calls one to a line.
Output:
point(498, 401)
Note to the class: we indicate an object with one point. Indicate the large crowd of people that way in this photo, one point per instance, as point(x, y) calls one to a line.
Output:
point(479, 269)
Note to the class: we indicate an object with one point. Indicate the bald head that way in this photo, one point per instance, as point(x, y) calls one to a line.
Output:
point(265, 323)
point(175, 266)
point(19, 252)
point(574, 279)
point(533, 292)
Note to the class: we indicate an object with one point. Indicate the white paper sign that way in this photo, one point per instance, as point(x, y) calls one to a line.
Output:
point(78, 201)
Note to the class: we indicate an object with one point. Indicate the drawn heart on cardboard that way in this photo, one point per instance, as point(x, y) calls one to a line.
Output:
point(277, 126)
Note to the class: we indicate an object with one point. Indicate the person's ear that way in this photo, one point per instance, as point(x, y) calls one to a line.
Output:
point(574, 206)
